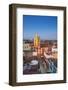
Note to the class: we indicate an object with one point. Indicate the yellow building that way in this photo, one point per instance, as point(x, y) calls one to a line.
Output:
point(36, 41)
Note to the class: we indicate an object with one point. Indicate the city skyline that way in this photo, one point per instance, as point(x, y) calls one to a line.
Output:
point(44, 26)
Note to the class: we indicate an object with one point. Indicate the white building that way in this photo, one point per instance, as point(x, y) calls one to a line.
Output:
point(54, 50)
point(26, 47)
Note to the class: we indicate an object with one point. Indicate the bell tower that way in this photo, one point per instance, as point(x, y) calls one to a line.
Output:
point(36, 41)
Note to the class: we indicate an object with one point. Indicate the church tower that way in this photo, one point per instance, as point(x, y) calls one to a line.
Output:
point(36, 41)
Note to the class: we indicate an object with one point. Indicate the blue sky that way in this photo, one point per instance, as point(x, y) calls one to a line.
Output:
point(45, 26)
